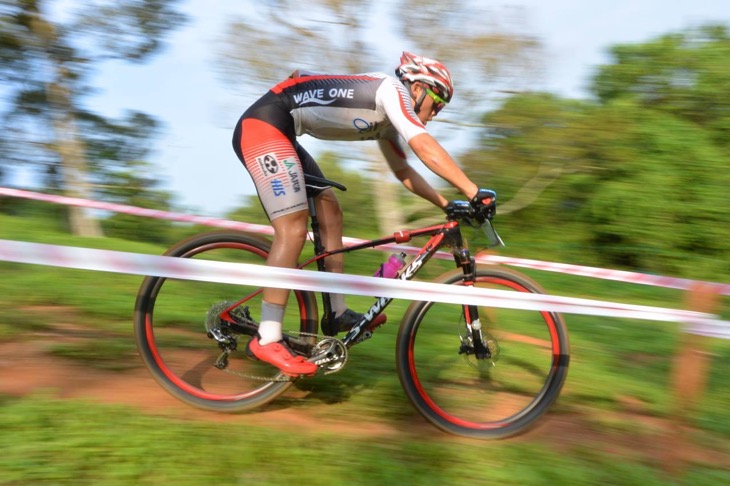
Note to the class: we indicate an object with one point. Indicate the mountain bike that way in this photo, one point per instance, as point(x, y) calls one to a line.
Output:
point(472, 371)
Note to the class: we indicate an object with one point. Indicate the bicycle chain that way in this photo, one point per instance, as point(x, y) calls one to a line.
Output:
point(281, 378)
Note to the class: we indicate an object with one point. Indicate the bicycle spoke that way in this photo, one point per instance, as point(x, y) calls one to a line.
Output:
point(481, 397)
point(192, 352)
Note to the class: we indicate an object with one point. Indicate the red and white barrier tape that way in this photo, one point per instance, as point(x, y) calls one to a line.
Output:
point(246, 274)
point(606, 274)
point(136, 211)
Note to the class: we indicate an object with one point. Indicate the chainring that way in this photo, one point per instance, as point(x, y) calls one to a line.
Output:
point(330, 354)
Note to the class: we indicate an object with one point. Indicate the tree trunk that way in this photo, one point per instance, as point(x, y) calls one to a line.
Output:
point(387, 207)
point(68, 144)
point(71, 152)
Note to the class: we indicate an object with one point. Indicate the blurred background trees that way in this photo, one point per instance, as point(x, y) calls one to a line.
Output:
point(637, 176)
point(46, 62)
point(633, 177)
point(487, 50)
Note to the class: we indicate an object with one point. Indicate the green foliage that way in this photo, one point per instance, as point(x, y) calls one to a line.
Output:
point(357, 202)
point(684, 74)
point(618, 366)
point(660, 205)
point(53, 215)
point(481, 55)
point(640, 177)
point(250, 212)
point(532, 140)
point(137, 187)
point(46, 65)
point(130, 30)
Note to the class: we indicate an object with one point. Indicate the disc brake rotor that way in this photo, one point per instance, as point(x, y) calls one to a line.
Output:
point(468, 342)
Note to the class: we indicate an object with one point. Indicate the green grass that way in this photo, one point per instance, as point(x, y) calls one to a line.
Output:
point(51, 441)
point(621, 371)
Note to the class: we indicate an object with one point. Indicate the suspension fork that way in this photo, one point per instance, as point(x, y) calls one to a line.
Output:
point(471, 313)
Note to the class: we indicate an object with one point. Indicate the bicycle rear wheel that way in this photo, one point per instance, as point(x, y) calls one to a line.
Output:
point(171, 329)
point(479, 398)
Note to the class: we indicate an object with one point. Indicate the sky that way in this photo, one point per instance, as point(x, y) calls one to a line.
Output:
point(182, 86)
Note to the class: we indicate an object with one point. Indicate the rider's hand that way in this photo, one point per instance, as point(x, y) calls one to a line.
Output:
point(484, 204)
point(459, 211)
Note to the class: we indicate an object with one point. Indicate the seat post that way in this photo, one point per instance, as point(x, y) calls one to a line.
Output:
point(318, 249)
point(316, 237)
point(314, 185)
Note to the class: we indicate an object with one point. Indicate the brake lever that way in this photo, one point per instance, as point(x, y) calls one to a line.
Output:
point(492, 236)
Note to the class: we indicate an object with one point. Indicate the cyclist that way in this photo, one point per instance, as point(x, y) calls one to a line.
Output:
point(372, 106)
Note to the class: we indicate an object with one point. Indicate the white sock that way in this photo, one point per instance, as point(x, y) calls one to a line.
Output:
point(270, 327)
point(338, 304)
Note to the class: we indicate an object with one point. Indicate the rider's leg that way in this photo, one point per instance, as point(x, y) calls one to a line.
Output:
point(290, 232)
point(329, 214)
point(270, 157)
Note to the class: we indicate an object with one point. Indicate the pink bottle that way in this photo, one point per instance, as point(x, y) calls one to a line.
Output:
point(390, 268)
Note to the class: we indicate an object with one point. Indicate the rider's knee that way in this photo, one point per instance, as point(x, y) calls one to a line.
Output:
point(291, 227)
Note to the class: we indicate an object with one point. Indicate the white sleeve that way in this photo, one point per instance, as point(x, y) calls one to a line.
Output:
point(393, 153)
point(393, 98)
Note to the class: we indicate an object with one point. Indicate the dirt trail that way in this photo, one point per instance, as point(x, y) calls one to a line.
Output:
point(29, 366)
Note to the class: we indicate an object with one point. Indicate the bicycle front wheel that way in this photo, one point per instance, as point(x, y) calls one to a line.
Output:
point(173, 321)
point(482, 398)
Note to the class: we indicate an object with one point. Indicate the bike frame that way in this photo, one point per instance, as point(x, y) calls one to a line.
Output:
point(441, 235)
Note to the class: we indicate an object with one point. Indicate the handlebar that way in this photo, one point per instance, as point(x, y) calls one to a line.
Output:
point(464, 212)
point(460, 211)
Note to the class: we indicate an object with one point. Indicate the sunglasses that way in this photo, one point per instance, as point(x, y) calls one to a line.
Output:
point(438, 102)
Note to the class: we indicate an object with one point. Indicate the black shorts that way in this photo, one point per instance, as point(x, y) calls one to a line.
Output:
point(265, 142)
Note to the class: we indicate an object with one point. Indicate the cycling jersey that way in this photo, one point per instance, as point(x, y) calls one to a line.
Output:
point(355, 107)
point(371, 106)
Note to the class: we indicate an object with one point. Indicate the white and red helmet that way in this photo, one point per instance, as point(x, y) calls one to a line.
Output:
point(428, 71)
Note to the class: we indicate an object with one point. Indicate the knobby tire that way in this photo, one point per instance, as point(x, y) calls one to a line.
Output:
point(465, 396)
point(171, 336)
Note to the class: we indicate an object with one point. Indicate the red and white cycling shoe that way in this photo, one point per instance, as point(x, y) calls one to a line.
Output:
point(278, 354)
